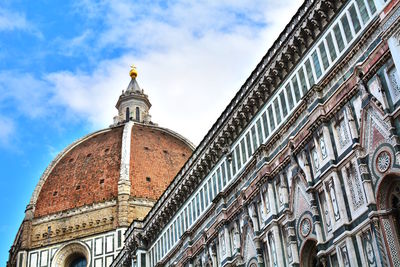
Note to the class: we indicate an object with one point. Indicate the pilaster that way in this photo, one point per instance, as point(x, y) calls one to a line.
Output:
point(22, 258)
point(328, 142)
point(278, 245)
point(124, 183)
point(272, 199)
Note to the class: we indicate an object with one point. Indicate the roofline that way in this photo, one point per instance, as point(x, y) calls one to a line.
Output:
point(272, 52)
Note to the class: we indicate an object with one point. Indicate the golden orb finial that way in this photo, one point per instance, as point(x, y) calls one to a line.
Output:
point(133, 72)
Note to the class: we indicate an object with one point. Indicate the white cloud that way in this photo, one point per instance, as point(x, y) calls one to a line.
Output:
point(24, 93)
point(7, 129)
point(10, 21)
point(192, 58)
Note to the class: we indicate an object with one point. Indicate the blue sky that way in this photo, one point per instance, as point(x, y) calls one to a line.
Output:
point(63, 65)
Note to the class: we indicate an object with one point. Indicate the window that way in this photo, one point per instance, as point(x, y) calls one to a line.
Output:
point(338, 37)
point(346, 28)
point(78, 262)
point(162, 245)
point(302, 78)
point(127, 114)
point(182, 223)
point(210, 195)
point(296, 88)
point(228, 170)
point(265, 124)
point(324, 56)
point(194, 209)
point(219, 180)
point(289, 96)
point(363, 11)
point(201, 200)
point(317, 66)
point(271, 119)
point(223, 174)
point(175, 232)
point(331, 46)
point(259, 130)
point(171, 235)
point(214, 180)
point(198, 205)
point(284, 107)
point(248, 143)
point(233, 162)
point(186, 217)
point(190, 213)
point(137, 114)
point(178, 226)
point(277, 111)
point(254, 137)
point(310, 75)
point(372, 6)
point(152, 256)
point(142, 259)
point(243, 148)
point(239, 162)
point(354, 19)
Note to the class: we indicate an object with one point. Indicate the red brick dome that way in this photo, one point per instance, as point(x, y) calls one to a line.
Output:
point(89, 170)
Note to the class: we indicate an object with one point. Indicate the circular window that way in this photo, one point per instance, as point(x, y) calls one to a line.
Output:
point(383, 161)
point(305, 227)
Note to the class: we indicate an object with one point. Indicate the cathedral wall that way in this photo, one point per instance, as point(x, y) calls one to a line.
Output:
point(306, 183)
point(102, 248)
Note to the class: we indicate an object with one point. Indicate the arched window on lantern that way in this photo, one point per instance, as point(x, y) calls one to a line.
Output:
point(127, 114)
point(137, 114)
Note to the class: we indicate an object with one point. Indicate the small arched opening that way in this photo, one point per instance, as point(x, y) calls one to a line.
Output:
point(308, 255)
point(137, 114)
point(76, 260)
point(388, 205)
point(127, 114)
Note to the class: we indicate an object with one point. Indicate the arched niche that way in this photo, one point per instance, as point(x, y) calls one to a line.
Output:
point(388, 205)
point(308, 254)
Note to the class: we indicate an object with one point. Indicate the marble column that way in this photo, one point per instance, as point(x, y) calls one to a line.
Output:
point(317, 222)
point(293, 243)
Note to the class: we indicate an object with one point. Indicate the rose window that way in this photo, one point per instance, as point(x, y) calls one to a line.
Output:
point(383, 161)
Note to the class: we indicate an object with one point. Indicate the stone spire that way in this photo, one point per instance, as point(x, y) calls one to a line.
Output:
point(133, 104)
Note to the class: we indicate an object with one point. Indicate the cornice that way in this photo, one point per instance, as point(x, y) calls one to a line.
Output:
point(74, 212)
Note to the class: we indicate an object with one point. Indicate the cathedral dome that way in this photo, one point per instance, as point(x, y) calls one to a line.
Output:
point(88, 171)
point(92, 191)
